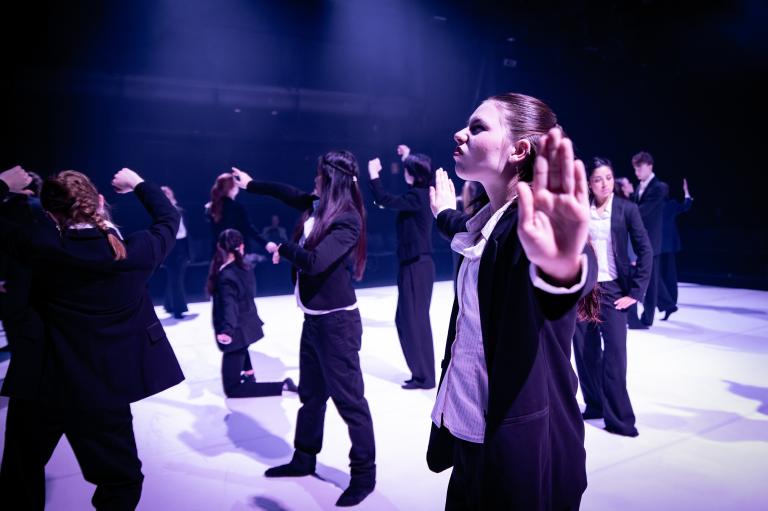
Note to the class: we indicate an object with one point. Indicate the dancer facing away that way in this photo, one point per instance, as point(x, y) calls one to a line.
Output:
point(602, 369)
point(416, 272)
point(176, 265)
point(328, 251)
point(236, 321)
point(102, 347)
point(506, 416)
point(224, 212)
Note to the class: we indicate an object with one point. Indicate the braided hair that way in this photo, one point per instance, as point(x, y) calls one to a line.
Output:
point(73, 199)
point(229, 242)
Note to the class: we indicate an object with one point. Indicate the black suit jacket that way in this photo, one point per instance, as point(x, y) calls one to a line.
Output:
point(627, 226)
point(651, 205)
point(534, 435)
point(324, 271)
point(670, 240)
point(414, 219)
point(234, 311)
point(103, 344)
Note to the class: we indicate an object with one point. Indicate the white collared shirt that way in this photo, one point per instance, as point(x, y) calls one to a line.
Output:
point(644, 184)
point(602, 242)
point(462, 401)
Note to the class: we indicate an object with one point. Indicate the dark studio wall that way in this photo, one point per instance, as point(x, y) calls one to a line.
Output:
point(182, 90)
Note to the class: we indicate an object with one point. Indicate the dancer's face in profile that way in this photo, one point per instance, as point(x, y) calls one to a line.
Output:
point(601, 183)
point(483, 147)
point(318, 183)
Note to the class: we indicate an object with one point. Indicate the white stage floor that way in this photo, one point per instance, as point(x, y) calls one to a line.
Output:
point(699, 385)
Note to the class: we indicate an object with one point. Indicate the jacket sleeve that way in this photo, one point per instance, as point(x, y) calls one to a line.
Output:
point(288, 194)
point(641, 245)
point(654, 199)
point(249, 231)
point(149, 248)
point(228, 296)
point(341, 236)
point(450, 222)
point(554, 306)
point(409, 201)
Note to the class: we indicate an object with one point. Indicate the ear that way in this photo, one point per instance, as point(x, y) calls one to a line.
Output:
point(520, 151)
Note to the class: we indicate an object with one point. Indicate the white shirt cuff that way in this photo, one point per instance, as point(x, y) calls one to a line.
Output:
point(555, 290)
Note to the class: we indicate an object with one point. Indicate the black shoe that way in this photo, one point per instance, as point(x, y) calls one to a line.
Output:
point(289, 385)
point(415, 384)
point(668, 313)
point(638, 326)
point(301, 464)
point(630, 433)
point(590, 414)
point(178, 315)
point(354, 495)
point(409, 380)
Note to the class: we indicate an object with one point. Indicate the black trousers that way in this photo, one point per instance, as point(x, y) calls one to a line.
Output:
point(667, 296)
point(103, 443)
point(175, 267)
point(414, 296)
point(329, 366)
point(603, 369)
point(651, 294)
point(232, 364)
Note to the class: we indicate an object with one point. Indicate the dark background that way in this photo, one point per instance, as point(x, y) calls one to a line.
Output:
point(181, 90)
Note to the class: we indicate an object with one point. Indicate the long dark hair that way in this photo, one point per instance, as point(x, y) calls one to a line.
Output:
point(219, 191)
point(229, 242)
point(419, 166)
point(339, 193)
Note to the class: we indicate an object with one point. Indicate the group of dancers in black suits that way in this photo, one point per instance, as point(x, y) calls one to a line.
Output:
point(532, 256)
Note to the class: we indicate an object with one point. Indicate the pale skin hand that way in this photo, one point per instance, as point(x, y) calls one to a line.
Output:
point(242, 178)
point(16, 178)
point(374, 168)
point(624, 302)
point(553, 217)
point(443, 194)
point(126, 180)
point(403, 150)
point(223, 339)
point(273, 248)
point(685, 188)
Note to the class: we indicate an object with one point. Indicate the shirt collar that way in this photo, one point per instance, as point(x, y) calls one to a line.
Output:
point(608, 205)
point(644, 183)
point(486, 219)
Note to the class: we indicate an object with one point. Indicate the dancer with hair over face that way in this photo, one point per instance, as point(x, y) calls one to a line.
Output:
point(416, 271)
point(327, 252)
point(102, 347)
point(236, 321)
point(506, 416)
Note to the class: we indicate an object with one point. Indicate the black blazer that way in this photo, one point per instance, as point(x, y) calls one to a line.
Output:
point(235, 216)
point(651, 206)
point(533, 421)
point(414, 219)
point(103, 344)
point(325, 271)
point(627, 226)
point(670, 239)
point(234, 311)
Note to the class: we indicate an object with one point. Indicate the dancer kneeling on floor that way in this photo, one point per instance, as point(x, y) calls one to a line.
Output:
point(236, 320)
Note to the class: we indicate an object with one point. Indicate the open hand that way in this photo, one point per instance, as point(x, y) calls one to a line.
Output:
point(223, 339)
point(374, 168)
point(624, 302)
point(443, 194)
point(554, 216)
point(403, 150)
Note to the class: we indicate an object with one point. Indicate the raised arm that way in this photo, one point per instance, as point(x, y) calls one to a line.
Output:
point(288, 194)
point(154, 244)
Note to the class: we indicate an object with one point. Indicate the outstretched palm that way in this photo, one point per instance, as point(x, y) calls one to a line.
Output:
point(554, 216)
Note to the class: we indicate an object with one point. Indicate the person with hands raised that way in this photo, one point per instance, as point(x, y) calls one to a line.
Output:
point(506, 416)
point(416, 270)
point(13, 180)
point(100, 344)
